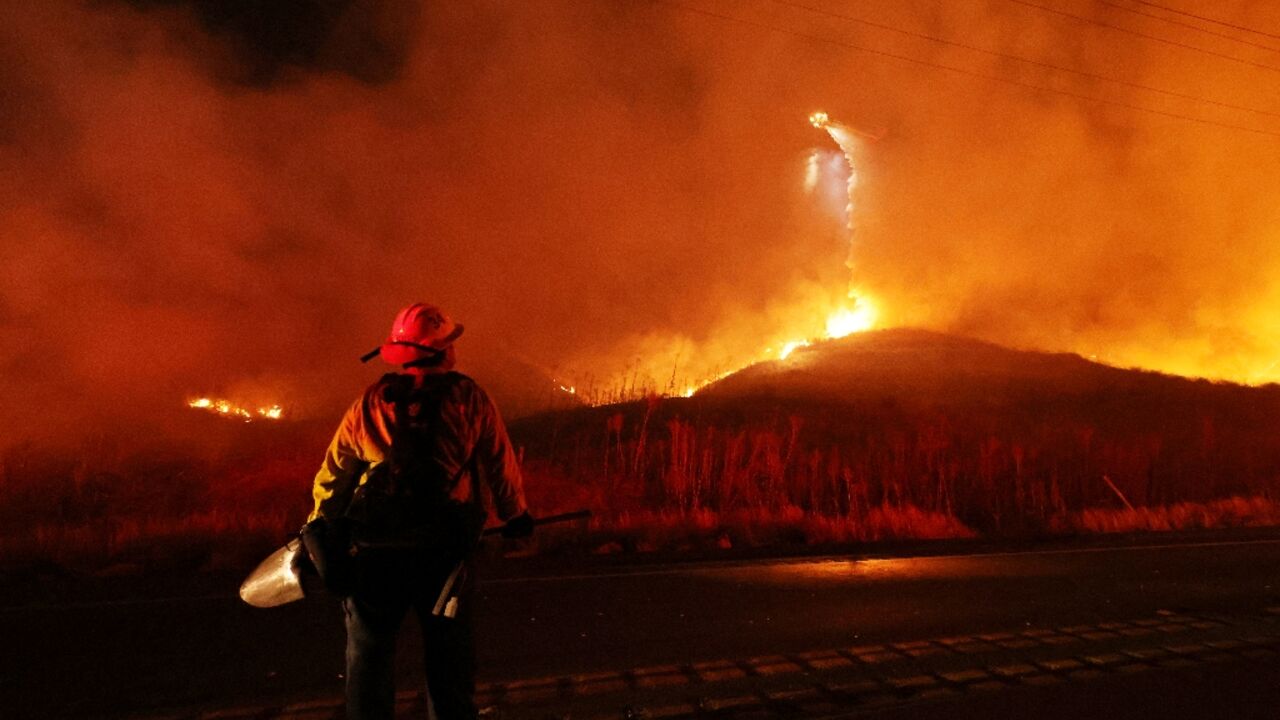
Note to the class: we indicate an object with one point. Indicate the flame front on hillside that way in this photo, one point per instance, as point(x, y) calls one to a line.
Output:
point(228, 409)
point(841, 323)
point(862, 316)
point(816, 313)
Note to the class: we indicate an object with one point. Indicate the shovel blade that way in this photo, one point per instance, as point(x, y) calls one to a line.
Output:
point(277, 580)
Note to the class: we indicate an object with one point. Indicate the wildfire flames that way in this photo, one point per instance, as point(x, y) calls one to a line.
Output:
point(846, 322)
point(863, 315)
point(843, 321)
point(857, 313)
point(839, 324)
point(228, 409)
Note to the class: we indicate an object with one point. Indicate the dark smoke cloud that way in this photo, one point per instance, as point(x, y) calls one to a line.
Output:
point(261, 43)
point(236, 197)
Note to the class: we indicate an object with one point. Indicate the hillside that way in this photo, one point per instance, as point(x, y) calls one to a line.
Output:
point(926, 368)
point(1001, 439)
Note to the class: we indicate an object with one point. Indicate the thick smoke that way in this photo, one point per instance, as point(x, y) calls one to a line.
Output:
point(235, 197)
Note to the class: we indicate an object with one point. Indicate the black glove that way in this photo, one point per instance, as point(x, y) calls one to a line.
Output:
point(520, 526)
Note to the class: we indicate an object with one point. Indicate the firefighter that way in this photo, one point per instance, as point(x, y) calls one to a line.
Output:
point(399, 503)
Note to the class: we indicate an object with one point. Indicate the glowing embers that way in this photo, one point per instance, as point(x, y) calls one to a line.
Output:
point(819, 120)
point(228, 409)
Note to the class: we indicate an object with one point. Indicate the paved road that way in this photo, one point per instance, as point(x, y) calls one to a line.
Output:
point(98, 659)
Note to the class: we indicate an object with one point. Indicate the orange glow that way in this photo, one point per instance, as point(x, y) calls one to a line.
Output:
point(693, 217)
point(840, 323)
point(228, 409)
point(848, 321)
point(813, 316)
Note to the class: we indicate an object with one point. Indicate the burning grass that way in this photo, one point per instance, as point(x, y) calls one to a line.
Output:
point(690, 474)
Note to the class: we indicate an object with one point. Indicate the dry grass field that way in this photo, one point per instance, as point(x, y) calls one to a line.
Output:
point(893, 436)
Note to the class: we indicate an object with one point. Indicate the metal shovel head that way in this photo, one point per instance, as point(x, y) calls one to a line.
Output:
point(276, 580)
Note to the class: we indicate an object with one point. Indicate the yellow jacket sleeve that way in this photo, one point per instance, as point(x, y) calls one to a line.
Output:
point(342, 467)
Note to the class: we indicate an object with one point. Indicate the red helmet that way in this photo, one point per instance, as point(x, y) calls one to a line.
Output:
point(419, 331)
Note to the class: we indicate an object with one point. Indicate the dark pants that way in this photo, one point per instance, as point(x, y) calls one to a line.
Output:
point(390, 584)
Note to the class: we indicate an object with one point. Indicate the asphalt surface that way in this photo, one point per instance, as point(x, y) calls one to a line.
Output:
point(116, 658)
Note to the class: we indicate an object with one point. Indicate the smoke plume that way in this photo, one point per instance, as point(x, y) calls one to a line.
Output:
point(236, 197)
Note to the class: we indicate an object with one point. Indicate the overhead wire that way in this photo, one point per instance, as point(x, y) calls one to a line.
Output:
point(961, 71)
point(1207, 19)
point(1147, 36)
point(1192, 26)
point(1019, 58)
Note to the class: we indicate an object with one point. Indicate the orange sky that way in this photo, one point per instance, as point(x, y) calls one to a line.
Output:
point(600, 189)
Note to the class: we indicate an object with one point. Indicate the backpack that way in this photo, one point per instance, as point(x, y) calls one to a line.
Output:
point(404, 502)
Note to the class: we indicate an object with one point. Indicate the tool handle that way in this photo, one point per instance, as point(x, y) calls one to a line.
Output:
point(548, 520)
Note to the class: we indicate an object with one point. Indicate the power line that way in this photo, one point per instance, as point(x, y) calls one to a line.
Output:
point(1208, 19)
point(1180, 23)
point(1155, 38)
point(1019, 58)
point(961, 71)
